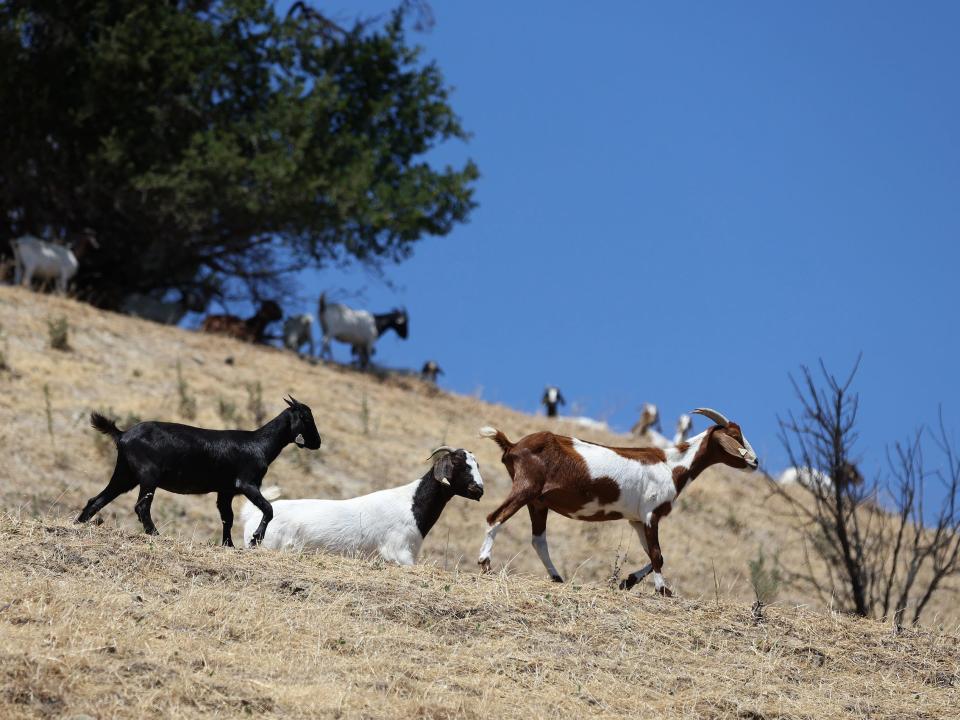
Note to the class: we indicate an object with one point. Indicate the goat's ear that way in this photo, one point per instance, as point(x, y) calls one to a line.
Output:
point(443, 469)
point(730, 446)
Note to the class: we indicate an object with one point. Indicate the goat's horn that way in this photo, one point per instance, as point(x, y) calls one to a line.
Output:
point(442, 448)
point(713, 415)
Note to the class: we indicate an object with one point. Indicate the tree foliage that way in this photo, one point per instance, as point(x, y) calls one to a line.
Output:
point(220, 144)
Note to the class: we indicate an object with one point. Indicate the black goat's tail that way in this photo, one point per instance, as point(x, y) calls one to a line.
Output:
point(102, 423)
point(498, 437)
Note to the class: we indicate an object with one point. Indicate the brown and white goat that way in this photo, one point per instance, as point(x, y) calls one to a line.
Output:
point(251, 330)
point(586, 481)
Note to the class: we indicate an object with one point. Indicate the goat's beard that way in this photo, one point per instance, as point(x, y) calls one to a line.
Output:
point(299, 440)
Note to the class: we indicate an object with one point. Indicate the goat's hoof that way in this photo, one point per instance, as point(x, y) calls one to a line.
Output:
point(665, 591)
point(627, 583)
point(556, 579)
point(484, 565)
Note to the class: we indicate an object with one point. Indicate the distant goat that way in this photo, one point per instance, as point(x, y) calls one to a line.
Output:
point(588, 423)
point(587, 481)
point(298, 331)
point(684, 426)
point(36, 258)
point(166, 312)
point(430, 371)
point(358, 328)
point(390, 523)
point(552, 397)
point(643, 428)
point(251, 330)
point(813, 479)
point(195, 461)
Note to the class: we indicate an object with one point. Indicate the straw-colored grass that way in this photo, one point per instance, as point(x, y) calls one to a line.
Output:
point(103, 621)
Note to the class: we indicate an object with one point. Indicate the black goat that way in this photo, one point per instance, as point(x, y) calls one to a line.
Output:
point(194, 461)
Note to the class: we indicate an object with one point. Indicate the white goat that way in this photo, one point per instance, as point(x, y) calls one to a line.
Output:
point(684, 426)
point(817, 479)
point(298, 331)
point(171, 312)
point(46, 260)
point(358, 328)
point(389, 523)
point(588, 422)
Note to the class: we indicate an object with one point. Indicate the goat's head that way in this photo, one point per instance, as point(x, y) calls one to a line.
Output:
point(269, 311)
point(684, 423)
point(401, 323)
point(649, 417)
point(457, 469)
point(726, 444)
point(304, 429)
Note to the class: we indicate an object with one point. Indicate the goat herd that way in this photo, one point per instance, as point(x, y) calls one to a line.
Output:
point(572, 477)
point(578, 479)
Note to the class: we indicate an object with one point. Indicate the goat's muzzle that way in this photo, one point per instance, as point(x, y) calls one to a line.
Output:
point(474, 491)
point(299, 440)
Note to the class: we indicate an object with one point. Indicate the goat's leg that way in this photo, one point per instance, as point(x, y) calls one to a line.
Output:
point(225, 506)
point(538, 525)
point(121, 481)
point(633, 578)
point(521, 493)
point(650, 539)
point(252, 492)
point(142, 508)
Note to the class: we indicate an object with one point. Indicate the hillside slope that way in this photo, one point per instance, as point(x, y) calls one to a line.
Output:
point(376, 433)
point(105, 621)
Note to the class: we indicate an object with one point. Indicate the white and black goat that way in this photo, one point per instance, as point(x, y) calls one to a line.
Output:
point(298, 331)
point(165, 312)
point(552, 397)
point(430, 371)
point(358, 328)
point(390, 523)
point(587, 481)
point(44, 260)
point(195, 461)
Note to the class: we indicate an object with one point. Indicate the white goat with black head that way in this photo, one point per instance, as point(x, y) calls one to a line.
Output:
point(358, 328)
point(390, 523)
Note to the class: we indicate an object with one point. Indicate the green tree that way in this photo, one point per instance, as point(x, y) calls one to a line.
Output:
point(218, 145)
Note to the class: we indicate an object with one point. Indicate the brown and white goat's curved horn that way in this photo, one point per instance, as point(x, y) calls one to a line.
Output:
point(713, 415)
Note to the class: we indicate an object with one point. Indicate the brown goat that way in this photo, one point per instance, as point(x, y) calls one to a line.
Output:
point(586, 481)
point(250, 330)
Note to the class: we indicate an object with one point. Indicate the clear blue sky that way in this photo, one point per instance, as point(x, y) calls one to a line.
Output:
point(682, 202)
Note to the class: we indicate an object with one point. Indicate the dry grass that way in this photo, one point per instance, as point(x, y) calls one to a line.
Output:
point(115, 624)
point(103, 621)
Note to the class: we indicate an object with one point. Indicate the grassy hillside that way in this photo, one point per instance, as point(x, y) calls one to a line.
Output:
point(110, 623)
point(176, 626)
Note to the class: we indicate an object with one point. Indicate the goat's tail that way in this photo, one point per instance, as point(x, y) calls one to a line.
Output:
point(249, 509)
point(101, 423)
point(497, 436)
